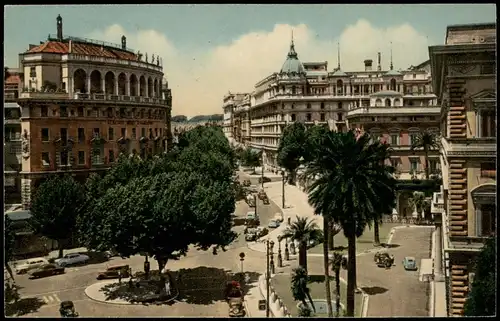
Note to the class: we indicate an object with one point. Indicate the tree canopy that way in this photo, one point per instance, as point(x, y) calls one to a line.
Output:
point(161, 206)
point(55, 207)
point(481, 300)
point(250, 157)
point(291, 148)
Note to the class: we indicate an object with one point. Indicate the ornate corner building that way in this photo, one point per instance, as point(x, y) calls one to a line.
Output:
point(464, 70)
point(84, 102)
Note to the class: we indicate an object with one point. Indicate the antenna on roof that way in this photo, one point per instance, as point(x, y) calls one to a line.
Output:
point(292, 36)
point(391, 57)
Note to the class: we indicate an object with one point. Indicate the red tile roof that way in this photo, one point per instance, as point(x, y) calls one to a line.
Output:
point(88, 49)
point(13, 79)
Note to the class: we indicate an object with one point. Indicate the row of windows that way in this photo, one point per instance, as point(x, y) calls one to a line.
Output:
point(110, 112)
point(415, 164)
point(97, 157)
point(156, 132)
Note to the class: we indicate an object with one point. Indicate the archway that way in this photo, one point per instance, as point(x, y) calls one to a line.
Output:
point(95, 82)
point(133, 85)
point(142, 87)
point(157, 89)
point(150, 87)
point(393, 84)
point(109, 82)
point(122, 84)
point(387, 102)
point(378, 102)
point(79, 80)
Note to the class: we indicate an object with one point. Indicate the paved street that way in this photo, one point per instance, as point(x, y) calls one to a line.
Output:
point(394, 292)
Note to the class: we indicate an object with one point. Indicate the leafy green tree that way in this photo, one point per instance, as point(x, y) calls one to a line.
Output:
point(427, 141)
point(55, 207)
point(419, 202)
point(336, 264)
point(300, 291)
point(481, 299)
point(351, 186)
point(291, 149)
point(314, 135)
point(250, 158)
point(303, 230)
point(9, 239)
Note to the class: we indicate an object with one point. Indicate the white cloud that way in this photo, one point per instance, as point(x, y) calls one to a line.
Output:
point(199, 80)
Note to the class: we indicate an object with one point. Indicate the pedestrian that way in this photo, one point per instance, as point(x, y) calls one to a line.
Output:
point(167, 287)
point(120, 276)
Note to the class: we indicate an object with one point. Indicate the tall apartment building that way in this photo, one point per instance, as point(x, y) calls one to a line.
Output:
point(84, 102)
point(12, 136)
point(391, 105)
point(464, 81)
point(232, 103)
point(241, 120)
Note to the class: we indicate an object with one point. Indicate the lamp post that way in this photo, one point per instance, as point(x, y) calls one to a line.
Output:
point(268, 277)
point(280, 258)
point(242, 258)
point(255, 201)
point(271, 244)
point(287, 253)
point(283, 189)
point(262, 168)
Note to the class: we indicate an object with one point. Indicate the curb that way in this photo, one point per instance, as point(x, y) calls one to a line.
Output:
point(122, 302)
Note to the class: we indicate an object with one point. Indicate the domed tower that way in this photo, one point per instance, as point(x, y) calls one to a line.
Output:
point(292, 66)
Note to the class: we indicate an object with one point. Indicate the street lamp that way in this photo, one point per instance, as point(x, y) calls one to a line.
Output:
point(287, 253)
point(262, 168)
point(271, 244)
point(283, 189)
point(242, 258)
point(280, 258)
point(255, 202)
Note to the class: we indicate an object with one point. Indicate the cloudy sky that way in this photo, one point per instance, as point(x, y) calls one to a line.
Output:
point(208, 50)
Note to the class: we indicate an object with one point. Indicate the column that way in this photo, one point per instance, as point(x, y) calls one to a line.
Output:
point(438, 275)
point(103, 85)
point(127, 87)
point(146, 90)
point(116, 87)
point(89, 84)
point(138, 87)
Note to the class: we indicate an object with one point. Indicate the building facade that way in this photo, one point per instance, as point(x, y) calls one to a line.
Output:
point(464, 81)
point(12, 137)
point(391, 105)
point(84, 102)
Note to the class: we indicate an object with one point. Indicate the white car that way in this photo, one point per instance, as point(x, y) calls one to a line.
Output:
point(31, 264)
point(273, 224)
point(71, 259)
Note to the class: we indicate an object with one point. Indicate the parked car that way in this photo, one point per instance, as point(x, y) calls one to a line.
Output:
point(250, 200)
point(273, 224)
point(111, 253)
point(409, 263)
point(72, 259)
point(113, 272)
point(250, 237)
point(251, 215)
point(31, 264)
point(46, 270)
point(278, 217)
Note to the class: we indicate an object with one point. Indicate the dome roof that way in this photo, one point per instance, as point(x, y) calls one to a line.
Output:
point(292, 63)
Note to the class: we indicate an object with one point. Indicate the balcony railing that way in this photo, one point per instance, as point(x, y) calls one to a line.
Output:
point(94, 97)
point(105, 60)
point(395, 110)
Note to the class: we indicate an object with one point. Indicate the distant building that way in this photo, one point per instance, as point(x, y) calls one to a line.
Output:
point(464, 81)
point(84, 102)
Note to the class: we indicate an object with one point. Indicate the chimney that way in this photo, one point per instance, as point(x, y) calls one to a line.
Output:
point(368, 65)
point(70, 46)
point(124, 43)
point(59, 28)
point(379, 67)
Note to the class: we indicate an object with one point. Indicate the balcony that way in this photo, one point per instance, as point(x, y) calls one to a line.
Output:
point(477, 147)
point(107, 61)
point(106, 98)
point(393, 111)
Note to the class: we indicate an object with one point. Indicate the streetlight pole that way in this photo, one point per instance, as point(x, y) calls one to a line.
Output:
point(255, 201)
point(267, 279)
point(262, 170)
point(283, 189)
point(280, 258)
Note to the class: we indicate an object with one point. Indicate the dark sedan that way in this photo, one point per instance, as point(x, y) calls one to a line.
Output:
point(46, 270)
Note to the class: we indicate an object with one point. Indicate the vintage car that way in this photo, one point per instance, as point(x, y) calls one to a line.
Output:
point(234, 297)
point(67, 310)
point(72, 259)
point(250, 200)
point(31, 264)
point(114, 271)
point(383, 259)
point(273, 224)
point(250, 237)
point(46, 270)
point(410, 264)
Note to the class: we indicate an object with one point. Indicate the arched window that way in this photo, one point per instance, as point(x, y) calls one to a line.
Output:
point(388, 102)
point(393, 84)
point(378, 102)
point(397, 102)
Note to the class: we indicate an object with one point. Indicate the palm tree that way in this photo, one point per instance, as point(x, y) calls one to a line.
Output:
point(300, 291)
point(427, 141)
point(303, 230)
point(336, 263)
point(326, 230)
point(419, 202)
point(335, 229)
point(352, 184)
